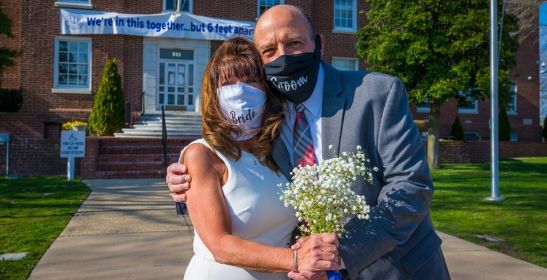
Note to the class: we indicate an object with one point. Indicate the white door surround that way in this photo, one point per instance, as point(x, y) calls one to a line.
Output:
point(181, 69)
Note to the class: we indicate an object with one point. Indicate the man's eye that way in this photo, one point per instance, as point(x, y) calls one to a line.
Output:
point(294, 43)
point(268, 51)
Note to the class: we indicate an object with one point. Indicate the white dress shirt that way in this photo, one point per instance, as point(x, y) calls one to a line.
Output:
point(314, 109)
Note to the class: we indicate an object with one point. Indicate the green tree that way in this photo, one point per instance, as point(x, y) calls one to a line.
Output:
point(6, 54)
point(457, 129)
point(439, 49)
point(107, 115)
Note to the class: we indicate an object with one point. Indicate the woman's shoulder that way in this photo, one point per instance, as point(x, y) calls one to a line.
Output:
point(197, 152)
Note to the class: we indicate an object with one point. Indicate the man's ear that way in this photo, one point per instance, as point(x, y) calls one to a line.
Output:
point(322, 37)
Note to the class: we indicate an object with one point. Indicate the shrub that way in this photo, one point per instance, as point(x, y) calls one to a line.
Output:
point(504, 126)
point(457, 130)
point(72, 124)
point(107, 115)
point(11, 100)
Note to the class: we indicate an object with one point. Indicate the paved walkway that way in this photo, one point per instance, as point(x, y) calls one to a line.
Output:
point(127, 229)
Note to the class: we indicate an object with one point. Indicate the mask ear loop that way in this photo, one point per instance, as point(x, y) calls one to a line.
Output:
point(317, 45)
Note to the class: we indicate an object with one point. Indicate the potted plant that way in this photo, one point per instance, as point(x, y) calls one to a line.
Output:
point(75, 125)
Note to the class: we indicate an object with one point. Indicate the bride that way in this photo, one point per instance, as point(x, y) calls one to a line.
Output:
point(242, 228)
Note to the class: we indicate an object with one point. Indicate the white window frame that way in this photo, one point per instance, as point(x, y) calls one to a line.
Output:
point(190, 7)
point(514, 111)
point(71, 89)
point(345, 29)
point(281, 2)
point(74, 4)
point(423, 109)
point(351, 59)
point(514, 137)
point(475, 109)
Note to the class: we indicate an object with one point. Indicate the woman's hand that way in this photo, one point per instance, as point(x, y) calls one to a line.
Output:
point(318, 252)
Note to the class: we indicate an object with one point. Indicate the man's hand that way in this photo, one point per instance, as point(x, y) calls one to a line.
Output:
point(178, 181)
point(323, 249)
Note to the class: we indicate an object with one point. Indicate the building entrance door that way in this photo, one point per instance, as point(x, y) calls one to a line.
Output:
point(176, 80)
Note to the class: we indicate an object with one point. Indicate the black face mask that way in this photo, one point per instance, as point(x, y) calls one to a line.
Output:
point(294, 76)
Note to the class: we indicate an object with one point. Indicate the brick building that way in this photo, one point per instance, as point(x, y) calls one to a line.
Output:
point(523, 109)
point(58, 73)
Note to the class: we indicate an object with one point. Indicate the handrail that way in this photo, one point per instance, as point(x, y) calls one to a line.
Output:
point(164, 135)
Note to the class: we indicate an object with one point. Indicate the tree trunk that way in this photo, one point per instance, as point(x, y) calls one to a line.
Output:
point(433, 135)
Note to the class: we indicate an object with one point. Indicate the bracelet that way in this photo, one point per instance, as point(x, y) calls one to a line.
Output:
point(295, 261)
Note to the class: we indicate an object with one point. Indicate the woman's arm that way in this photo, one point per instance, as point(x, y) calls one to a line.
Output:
point(209, 214)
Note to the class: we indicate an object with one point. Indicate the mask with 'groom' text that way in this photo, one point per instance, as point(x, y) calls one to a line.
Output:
point(294, 76)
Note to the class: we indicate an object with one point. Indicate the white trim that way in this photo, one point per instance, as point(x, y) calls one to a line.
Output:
point(423, 109)
point(281, 2)
point(352, 59)
point(73, 4)
point(71, 89)
point(475, 110)
point(353, 29)
point(470, 111)
point(190, 7)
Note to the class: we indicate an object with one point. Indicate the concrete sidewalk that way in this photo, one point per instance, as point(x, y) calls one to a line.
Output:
point(127, 229)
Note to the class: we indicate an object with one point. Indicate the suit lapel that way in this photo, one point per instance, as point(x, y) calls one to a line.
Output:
point(333, 112)
point(281, 157)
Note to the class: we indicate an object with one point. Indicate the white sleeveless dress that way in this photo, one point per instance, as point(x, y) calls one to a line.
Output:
point(256, 212)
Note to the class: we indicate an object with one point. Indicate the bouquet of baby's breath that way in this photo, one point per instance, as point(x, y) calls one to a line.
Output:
point(321, 194)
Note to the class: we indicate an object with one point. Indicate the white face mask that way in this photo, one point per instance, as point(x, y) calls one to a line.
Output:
point(243, 105)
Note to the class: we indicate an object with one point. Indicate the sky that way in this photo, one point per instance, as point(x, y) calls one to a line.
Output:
point(543, 58)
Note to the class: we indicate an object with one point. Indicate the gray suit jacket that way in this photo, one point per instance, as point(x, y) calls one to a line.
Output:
point(371, 110)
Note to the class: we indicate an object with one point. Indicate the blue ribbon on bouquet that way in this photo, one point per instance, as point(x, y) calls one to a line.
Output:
point(334, 275)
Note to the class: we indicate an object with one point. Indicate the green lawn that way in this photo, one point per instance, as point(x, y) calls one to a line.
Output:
point(33, 212)
point(458, 207)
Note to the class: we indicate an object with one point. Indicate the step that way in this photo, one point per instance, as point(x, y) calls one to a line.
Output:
point(132, 174)
point(156, 149)
point(131, 158)
point(158, 118)
point(189, 133)
point(167, 127)
point(132, 166)
point(169, 123)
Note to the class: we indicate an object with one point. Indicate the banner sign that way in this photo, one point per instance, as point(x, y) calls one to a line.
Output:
point(170, 25)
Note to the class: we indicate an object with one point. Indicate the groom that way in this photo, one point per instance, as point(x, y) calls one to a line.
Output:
point(345, 109)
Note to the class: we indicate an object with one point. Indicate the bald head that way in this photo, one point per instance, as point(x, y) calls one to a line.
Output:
point(282, 30)
point(294, 11)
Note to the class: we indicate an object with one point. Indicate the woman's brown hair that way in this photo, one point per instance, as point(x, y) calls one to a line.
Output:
point(238, 58)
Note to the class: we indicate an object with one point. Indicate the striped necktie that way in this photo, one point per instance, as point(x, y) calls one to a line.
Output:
point(303, 144)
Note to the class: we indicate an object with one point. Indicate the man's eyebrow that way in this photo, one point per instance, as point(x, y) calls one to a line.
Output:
point(264, 46)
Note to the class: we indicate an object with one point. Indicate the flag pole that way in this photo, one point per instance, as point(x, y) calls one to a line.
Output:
point(494, 136)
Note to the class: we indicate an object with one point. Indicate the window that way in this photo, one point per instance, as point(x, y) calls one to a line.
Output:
point(345, 64)
point(512, 102)
point(345, 15)
point(72, 68)
point(171, 5)
point(263, 5)
point(514, 137)
point(423, 107)
point(74, 4)
point(467, 104)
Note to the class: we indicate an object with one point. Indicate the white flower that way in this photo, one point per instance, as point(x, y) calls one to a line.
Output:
point(322, 195)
